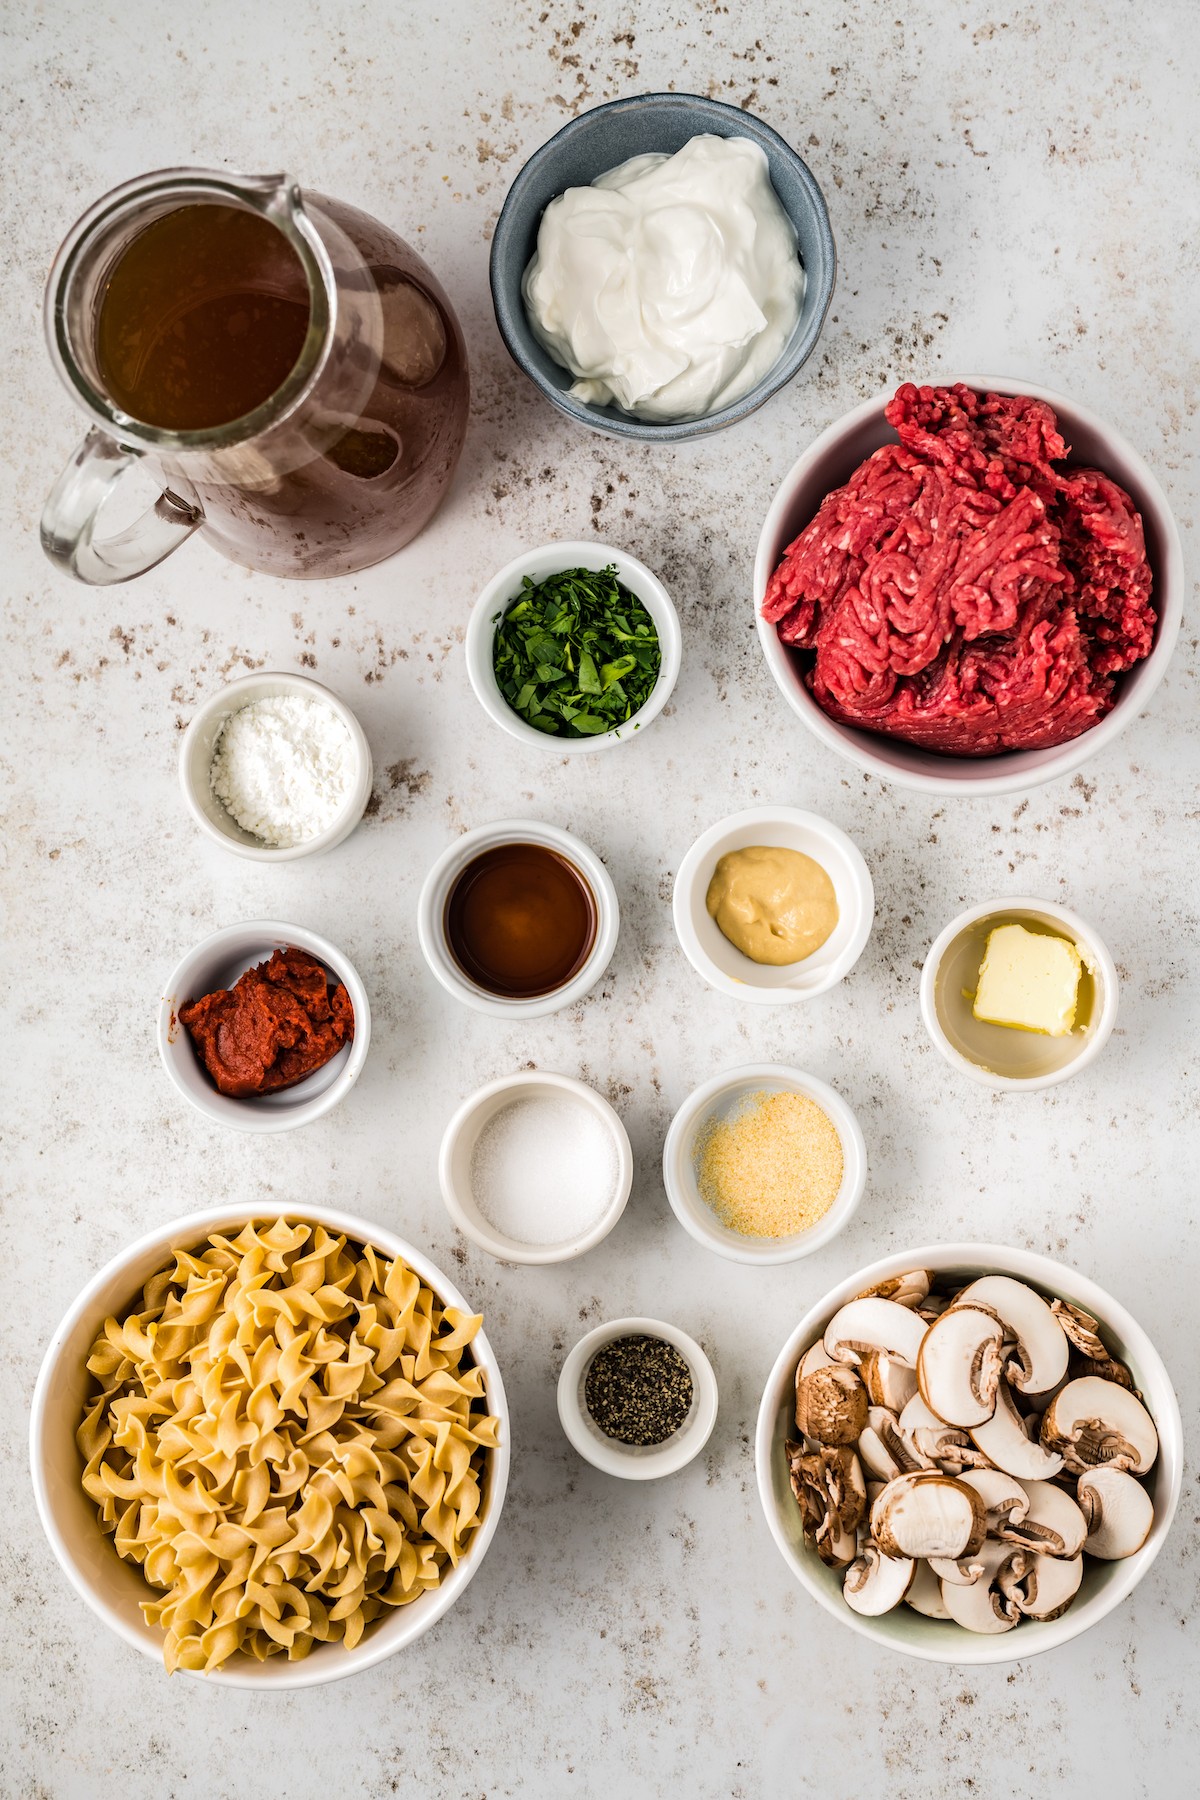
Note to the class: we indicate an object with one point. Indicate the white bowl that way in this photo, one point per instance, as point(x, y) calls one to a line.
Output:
point(435, 895)
point(636, 1462)
point(831, 459)
point(217, 963)
point(720, 1096)
point(113, 1587)
point(1105, 1585)
point(196, 754)
point(996, 1055)
point(552, 559)
point(722, 965)
point(458, 1147)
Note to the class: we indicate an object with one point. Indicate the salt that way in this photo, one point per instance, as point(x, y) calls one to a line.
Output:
point(282, 768)
point(544, 1171)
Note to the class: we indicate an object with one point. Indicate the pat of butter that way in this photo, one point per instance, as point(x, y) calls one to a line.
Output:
point(1028, 981)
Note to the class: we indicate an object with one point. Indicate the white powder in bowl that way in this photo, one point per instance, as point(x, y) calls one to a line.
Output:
point(282, 768)
point(544, 1170)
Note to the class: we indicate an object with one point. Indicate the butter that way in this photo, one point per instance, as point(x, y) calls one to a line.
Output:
point(1028, 981)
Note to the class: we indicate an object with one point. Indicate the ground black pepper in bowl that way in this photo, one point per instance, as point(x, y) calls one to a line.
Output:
point(638, 1390)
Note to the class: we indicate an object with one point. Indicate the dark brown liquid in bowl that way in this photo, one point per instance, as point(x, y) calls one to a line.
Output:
point(520, 921)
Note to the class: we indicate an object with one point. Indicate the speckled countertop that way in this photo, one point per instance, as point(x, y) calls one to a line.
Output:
point(1012, 187)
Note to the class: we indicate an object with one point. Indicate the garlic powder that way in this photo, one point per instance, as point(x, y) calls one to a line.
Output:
point(282, 768)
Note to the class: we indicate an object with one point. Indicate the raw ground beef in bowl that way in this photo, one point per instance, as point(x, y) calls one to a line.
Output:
point(954, 586)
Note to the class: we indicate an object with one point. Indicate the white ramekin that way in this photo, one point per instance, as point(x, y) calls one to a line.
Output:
point(1105, 1585)
point(217, 963)
point(636, 1462)
point(112, 1587)
point(832, 458)
point(955, 1030)
point(552, 559)
point(435, 894)
point(196, 754)
point(458, 1145)
point(679, 1170)
point(721, 964)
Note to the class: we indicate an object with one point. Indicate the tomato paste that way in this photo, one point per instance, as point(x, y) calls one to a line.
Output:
point(279, 1022)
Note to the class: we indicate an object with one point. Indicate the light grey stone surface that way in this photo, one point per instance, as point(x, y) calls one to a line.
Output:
point(1013, 188)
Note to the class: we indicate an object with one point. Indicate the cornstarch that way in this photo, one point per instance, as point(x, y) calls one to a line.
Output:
point(282, 768)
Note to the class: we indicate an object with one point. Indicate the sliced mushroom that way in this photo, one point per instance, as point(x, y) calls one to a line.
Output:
point(888, 1382)
point(873, 1324)
point(815, 1357)
point(875, 1583)
point(1079, 1328)
point(1052, 1524)
point(1042, 1345)
point(909, 1289)
point(1003, 1441)
point(1049, 1585)
point(1108, 1368)
point(928, 1515)
point(887, 1449)
point(831, 1405)
point(959, 1574)
point(958, 1369)
point(925, 1593)
point(1118, 1511)
point(987, 1604)
point(932, 1440)
point(1005, 1499)
point(832, 1494)
point(1096, 1423)
point(933, 1306)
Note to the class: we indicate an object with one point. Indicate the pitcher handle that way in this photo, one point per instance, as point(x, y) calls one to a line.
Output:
point(69, 518)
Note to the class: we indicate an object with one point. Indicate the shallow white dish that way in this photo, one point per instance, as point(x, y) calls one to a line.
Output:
point(721, 964)
point(113, 1587)
point(435, 894)
point(196, 754)
point(458, 1146)
point(1105, 1585)
point(720, 1096)
point(636, 1462)
point(552, 559)
point(831, 459)
point(996, 1055)
point(217, 963)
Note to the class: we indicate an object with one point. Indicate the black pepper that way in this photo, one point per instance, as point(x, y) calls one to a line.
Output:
point(638, 1390)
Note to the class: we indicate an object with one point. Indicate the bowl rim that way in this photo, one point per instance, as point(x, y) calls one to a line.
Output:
point(498, 1243)
point(647, 1462)
point(766, 1252)
point(635, 575)
point(852, 743)
point(358, 793)
point(192, 1228)
point(1043, 1271)
point(689, 875)
point(609, 420)
point(456, 856)
point(231, 1110)
point(1082, 933)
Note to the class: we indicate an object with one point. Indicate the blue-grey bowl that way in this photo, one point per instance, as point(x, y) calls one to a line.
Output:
point(599, 140)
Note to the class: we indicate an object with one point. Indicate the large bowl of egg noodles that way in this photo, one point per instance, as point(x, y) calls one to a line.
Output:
point(269, 1450)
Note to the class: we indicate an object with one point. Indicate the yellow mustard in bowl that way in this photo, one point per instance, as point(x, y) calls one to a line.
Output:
point(775, 905)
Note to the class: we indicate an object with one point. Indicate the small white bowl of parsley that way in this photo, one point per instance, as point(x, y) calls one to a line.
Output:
point(574, 647)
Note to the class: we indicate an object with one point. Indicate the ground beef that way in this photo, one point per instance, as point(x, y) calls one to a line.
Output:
point(960, 591)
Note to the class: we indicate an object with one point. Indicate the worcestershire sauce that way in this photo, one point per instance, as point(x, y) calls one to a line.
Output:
point(520, 921)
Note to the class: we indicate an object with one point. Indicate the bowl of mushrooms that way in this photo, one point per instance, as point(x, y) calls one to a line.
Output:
point(969, 1453)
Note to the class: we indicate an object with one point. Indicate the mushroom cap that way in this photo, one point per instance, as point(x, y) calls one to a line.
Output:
point(876, 1583)
point(1042, 1344)
point(831, 1405)
point(928, 1515)
point(959, 1365)
point(874, 1324)
point(1049, 1586)
point(1052, 1524)
point(925, 1593)
point(1118, 1511)
point(1098, 1423)
point(1003, 1440)
point(888, 1382)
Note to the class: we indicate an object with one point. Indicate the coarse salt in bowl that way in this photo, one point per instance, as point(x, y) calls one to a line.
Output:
point(200, 742)
point(535, 1171)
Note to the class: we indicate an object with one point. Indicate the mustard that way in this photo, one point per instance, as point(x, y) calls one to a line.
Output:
point(776, 906)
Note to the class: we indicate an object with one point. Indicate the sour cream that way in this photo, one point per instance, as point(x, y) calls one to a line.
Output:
point(670, 286)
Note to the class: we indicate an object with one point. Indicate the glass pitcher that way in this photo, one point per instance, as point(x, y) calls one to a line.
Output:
point(346, 460)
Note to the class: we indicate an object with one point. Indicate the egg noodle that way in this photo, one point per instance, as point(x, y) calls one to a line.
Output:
point(289, 1436)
